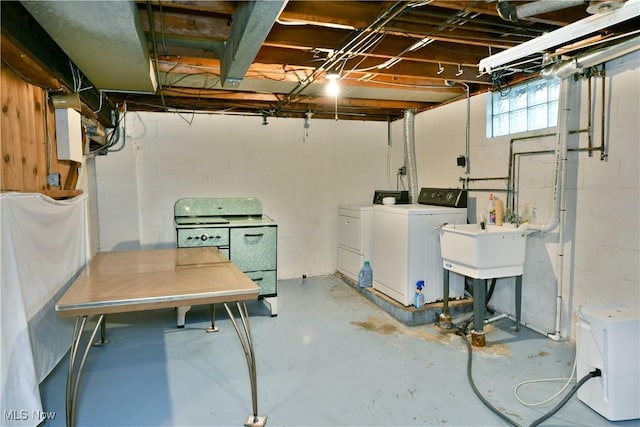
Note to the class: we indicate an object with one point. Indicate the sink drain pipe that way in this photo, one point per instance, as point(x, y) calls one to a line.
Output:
point(410, 155)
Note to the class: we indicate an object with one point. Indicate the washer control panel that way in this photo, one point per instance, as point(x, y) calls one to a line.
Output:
point(450, 197)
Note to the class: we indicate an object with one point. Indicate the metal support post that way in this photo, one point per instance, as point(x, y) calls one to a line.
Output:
point(479, 301)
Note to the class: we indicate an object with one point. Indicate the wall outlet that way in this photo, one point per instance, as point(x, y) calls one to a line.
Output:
point(53, 179)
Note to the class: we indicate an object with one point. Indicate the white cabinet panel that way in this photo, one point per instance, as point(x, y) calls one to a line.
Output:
point(349, 232)
point(354, 238)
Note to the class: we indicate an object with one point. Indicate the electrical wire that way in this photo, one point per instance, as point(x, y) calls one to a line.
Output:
point(47, 138)
point(100, 104)
point(113, 137)
point(543, 402)
point(162, 33)
point(154, 45)
point(346, 51)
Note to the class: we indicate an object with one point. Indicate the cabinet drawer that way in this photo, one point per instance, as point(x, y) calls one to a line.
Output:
point(266, 280)
point(350, 263)
point(196, 237)
point(349, 232)
point(254, 248)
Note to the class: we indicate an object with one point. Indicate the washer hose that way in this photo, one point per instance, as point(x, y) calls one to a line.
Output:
point(595, 373)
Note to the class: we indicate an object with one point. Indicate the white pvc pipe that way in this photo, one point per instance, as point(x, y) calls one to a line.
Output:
point(495, 318)
point(529, 326)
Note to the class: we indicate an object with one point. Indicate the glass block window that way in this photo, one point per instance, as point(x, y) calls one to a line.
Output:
point(526, 107)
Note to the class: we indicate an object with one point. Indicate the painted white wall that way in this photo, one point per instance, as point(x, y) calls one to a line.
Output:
point(301, 180)
point(300, 177)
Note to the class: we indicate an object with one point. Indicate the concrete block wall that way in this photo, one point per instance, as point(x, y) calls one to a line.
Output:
point(300, 175)
point(117, 201)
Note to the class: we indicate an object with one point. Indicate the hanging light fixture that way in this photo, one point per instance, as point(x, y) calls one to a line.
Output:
point(333, 88)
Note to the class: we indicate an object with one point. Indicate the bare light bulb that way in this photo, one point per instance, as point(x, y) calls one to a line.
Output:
point(333, 88)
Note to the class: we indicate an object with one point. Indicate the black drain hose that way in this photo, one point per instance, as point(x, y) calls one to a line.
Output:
point(473, 385)
point(595, 373)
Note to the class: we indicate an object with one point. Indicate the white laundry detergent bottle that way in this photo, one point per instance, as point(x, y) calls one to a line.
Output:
point(365, 278)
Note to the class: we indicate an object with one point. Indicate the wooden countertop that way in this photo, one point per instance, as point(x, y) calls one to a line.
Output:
point(116, 282)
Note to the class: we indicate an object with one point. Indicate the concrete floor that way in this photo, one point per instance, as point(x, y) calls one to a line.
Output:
point(330, 358)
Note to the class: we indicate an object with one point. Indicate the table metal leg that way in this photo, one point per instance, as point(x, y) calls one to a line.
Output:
point(73, 377)
point(479, 302)
point(247, 346)
point(213, 327)
point(103, 333)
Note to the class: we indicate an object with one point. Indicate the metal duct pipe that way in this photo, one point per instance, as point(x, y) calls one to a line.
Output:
point(510, 12)
point(564, 69)
point(410, 155)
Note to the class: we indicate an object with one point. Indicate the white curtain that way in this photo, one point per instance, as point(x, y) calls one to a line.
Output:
point(44, 245)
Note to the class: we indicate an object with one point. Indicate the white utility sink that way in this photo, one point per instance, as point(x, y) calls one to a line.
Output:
point(496, 251)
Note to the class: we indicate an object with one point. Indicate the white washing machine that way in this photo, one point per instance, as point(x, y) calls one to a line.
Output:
point(406, 245)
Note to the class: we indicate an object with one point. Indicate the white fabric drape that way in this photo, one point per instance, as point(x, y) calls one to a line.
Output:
point(44, 244)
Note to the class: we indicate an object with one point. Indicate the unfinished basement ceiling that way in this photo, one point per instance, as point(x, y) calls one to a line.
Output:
point(271, 58)
point(97, 34)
